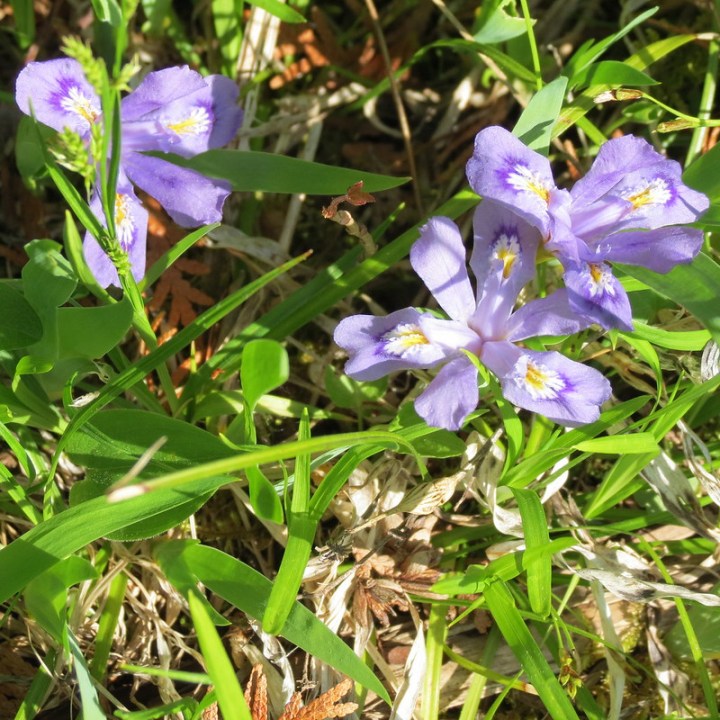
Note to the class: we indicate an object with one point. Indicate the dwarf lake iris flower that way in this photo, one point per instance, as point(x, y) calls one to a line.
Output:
point(632, 207)
point(173, 110)
point(481, 323)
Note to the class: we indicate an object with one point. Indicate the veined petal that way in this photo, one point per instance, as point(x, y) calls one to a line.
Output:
point(550, 384)
point(160, 88)
point(630, 169)
point(504, 241)
point(59, 95)
point(503, 169)
point(190, 199)
point(378, 346)
point(593, 291)
point(438, 257)
point(551, 315)
point(176, 110)
point(131, 220)
point(659, 250)
point(451, 396)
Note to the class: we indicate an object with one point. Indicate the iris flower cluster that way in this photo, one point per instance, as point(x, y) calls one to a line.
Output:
point(173, 110)
point(631, 207)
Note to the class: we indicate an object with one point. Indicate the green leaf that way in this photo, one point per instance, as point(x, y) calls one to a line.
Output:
point(279, 9)
point(19, 324)
point(686, 340)
point(30, 142)
point(250, 171)
point(264, 367)
point(611, 72)
point(694, 286)
point(539, 569)
point(703, 175)
point(590, 51)
point(249, 591)
point(631, 444)
point(24, 15)
point(228, 692)
point(494, 25)
point(525, 648)
point(91, 332)
point(535, 126)
point(227, 17)
point(115, 441)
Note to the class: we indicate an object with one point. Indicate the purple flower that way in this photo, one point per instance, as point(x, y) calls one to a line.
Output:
point(173, 110)
point(482, 323)
point(632, 207)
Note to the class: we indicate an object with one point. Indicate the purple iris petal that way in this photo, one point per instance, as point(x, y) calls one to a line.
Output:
point(171, 110)
point(659, 250)
point(131, 220)
point(176, 110)
point(552, 315)
point(630, 169)
point(503, 169)
point(190, 199)
point(380, 345)
point(438, 257)
point(451, 396)
point(548, 383)
point(502, 236)
point(58, 94)
point(597, 294)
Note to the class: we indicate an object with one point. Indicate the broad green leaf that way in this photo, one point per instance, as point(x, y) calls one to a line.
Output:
point(114, 442)
point(30, 141)
point(91, 332)
point(630, 444)
point(136, 373)
point(219, 667)
point(19, 324)
point(703, 174)
point(611, 72)
point(249, 591)
point(259, 171)
point(494, 25)
point(501, 604)
point(694, 286)
point(535, 126)
point(264, 367)
point(539, 569)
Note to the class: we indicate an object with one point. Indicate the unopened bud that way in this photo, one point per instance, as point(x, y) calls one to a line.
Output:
point(679, 124)
point(618, 94)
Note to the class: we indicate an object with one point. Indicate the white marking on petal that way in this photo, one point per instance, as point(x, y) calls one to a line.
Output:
point(600, 280)
point(656, 192)
point(124, 222)
point(78, 103)
point(404, 340)
point(522, 179)
point(196, 123)
point(506, 248)
point(539, 381)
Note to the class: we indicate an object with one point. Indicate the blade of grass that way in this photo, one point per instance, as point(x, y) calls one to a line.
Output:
point(501, 604)
point(230, 696)
point(539, 569)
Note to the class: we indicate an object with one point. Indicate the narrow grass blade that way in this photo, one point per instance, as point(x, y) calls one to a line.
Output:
point(229, 694)
point(525, 648)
